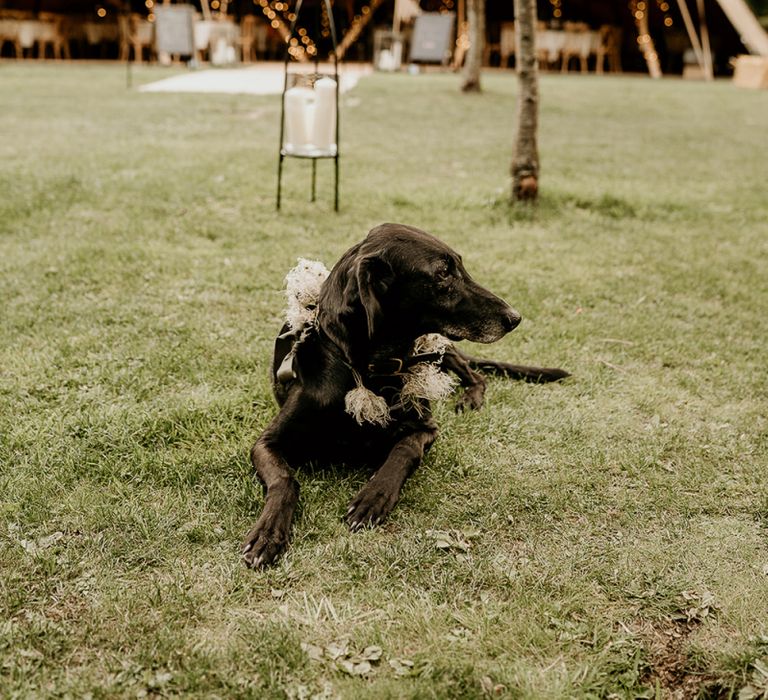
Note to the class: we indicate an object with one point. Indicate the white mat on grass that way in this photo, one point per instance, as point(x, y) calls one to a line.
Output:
point(265, 79)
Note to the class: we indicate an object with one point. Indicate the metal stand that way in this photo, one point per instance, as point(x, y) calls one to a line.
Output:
point(315, 154)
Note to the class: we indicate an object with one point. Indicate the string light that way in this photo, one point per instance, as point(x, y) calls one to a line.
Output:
point(278, 15)
point(639, 11)
point(664, 7)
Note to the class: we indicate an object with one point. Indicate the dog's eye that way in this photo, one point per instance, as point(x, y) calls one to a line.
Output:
point(443, 274)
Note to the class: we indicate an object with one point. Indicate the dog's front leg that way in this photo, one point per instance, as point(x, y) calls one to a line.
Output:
point(474, 384)
point(377, 498)
point(269, 536)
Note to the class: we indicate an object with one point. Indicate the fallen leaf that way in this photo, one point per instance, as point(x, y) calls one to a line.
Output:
point(401, 667)
point(336, 650)
point(34, 546)
point(362, 668)
point(372, 653)
point(313, 651)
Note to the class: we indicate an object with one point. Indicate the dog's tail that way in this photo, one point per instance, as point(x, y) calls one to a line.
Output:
point(538, 375)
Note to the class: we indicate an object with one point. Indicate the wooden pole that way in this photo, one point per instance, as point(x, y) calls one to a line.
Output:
point(645, 41)
point(708, 71)
point(692, 35)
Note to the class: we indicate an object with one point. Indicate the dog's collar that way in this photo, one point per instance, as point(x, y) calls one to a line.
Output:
point(384, 366)
point(391, 366)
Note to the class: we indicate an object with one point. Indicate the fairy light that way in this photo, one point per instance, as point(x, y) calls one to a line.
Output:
point(357, 20)
point(639, 10)
point(664, 8)
point(557, 8)
point(101, 12)
point(277, 14)
point(325, 26)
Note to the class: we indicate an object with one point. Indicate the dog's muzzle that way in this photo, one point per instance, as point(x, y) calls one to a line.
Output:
point(511, 319)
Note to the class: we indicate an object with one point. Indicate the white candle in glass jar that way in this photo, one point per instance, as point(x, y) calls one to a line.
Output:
point(324, 123)
point(298, 116)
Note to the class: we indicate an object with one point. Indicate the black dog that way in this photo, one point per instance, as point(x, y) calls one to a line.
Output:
point(395, 286)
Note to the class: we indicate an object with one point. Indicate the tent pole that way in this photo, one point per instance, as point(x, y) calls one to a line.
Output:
point(692, 35)
point(708, 72)
point(741, 16)
point(645, 40)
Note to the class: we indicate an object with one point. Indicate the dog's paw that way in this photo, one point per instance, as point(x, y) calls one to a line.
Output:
point(264, 543)
point(472, 398)
point(370, 506)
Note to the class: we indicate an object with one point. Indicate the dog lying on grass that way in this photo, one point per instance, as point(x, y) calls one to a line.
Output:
point(354, 373)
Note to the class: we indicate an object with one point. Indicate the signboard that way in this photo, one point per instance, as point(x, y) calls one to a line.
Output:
point(432, 37)
point(174, 29)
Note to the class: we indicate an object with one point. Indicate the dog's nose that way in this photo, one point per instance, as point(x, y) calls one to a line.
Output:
point(510, 319)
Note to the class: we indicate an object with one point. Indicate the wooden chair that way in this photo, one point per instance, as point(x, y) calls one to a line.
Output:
point(577, 44)
point(247, 39)
point(135, 33)
point(54, 35)
point(492, 43)
point(506, 42)
point(609, 47)
point(9, 31)
point(548, 45)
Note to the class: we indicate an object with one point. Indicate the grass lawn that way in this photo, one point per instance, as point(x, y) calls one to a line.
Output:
point(603, 537)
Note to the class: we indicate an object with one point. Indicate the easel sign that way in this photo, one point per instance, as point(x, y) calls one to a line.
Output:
point(174, 30)
point(432, 38)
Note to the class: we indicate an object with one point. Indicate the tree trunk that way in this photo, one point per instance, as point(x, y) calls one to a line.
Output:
point(525, 161)
point(474, 59)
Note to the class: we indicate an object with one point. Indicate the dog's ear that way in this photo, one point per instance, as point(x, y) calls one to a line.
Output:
point(373, 275)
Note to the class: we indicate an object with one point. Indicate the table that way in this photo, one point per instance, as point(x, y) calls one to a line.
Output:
point(25, 33)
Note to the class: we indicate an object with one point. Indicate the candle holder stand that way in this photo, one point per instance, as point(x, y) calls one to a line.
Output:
point(309, 115)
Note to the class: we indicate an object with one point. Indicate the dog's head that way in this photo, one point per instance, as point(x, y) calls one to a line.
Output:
point(401, 283)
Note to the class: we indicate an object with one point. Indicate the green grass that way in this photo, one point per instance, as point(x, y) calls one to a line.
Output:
point(617, 523)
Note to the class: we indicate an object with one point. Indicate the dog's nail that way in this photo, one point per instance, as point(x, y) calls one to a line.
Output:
point(354, 526)
point(378, 520)
point(350, 509)
point(247, 548)
point(259, 561)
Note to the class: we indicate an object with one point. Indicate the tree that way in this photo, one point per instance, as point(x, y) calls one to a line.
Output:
point(474, 57)
point(525, 159)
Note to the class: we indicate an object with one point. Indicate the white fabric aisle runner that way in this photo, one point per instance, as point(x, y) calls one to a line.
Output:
point(265, 79)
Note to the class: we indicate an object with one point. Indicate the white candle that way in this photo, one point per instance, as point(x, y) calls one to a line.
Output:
point(297, 117)
point(324, 127)
point(386, 60)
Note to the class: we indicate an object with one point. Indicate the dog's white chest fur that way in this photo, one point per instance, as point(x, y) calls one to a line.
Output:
point(424, 380)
